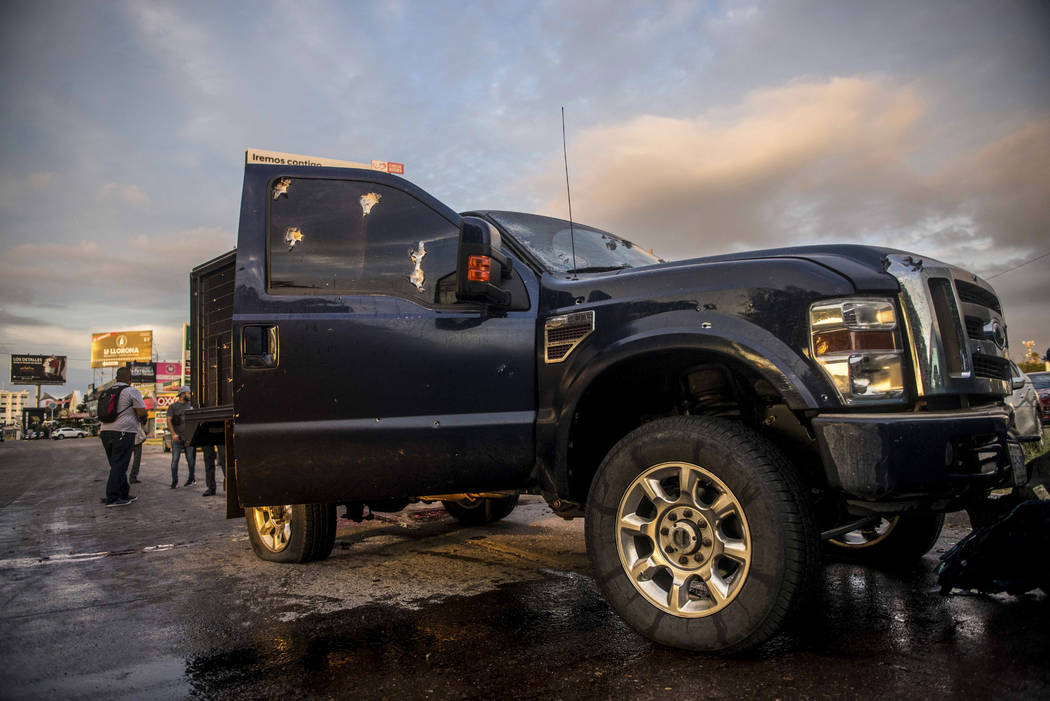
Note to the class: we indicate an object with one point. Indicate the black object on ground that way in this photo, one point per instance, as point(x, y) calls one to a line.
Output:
point(1007, 555)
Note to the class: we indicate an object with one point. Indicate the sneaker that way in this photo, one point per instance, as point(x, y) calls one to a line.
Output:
point(189, 482)
point(119, 502)
point(135, 481)
point(174, 485)
point(131, 498)
point(209, 493)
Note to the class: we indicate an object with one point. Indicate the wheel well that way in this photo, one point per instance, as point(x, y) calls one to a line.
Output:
point(669, 383)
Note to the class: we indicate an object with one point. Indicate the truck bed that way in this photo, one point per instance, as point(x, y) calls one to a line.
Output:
point(211, 324)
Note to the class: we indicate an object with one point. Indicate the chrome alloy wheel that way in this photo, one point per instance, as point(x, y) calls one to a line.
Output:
point(274, 526)
point(683, 539)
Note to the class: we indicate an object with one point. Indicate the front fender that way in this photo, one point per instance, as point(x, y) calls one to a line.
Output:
point(734, 340)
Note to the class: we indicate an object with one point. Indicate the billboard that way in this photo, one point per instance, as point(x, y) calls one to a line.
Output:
point(38, 369)
point(113, 349)
point(169, 372)
point(143, 373)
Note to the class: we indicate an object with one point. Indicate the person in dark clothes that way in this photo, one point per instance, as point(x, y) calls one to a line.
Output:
point(179, 440)
point(210, 454)
point(118, 438)
point(136, 454)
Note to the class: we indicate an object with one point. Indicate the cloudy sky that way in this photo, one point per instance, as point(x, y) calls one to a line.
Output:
point(693, 127)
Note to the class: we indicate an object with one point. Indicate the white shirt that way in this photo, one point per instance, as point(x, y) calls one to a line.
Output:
point(127, 420)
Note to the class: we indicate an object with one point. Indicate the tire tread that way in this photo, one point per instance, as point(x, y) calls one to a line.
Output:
point(768, 467)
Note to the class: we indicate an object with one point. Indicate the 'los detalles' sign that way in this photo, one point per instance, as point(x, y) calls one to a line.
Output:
point(38, 369)
point(115, 348)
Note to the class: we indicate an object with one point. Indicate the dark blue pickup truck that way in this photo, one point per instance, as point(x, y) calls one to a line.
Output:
point(718, 421)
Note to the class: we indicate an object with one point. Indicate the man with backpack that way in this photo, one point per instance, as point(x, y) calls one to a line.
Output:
point(120, 409)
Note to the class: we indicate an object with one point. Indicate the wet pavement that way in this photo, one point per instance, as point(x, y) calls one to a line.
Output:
point(164, 599)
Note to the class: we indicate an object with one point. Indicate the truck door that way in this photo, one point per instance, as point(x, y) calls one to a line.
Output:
point(357, 374)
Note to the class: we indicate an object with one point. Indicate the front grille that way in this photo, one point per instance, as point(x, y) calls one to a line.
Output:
point(947, 314)
point(974, 294)
point(949, 322)
point(974, 327)
point(991, 367)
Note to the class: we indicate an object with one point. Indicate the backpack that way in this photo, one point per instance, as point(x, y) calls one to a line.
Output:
point(108, 401)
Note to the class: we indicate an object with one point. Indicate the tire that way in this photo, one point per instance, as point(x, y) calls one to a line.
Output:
point(58, 438)
point(688, 589)
point(898, 541)
point(291, 533)
point(477, 512)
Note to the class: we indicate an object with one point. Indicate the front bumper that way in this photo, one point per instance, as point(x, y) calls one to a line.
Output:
point(891, 457)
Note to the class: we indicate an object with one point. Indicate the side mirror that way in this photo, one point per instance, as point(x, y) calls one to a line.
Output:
point(481, 264)
point(1017, 382)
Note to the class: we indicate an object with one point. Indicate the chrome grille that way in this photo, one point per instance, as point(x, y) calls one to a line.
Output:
point(973, 294)
point(946, 319)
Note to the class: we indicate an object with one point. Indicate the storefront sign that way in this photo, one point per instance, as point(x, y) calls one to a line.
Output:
point(143, 373)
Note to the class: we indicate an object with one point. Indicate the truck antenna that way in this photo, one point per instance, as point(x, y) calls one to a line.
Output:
point(568, 194)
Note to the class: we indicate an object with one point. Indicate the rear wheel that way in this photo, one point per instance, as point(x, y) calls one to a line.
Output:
point(893, 541)
point(291, 532)
point(700, 535)
point(481, 510)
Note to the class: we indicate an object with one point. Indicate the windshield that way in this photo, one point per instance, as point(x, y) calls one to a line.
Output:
point(1041, 380)
point(549, 240)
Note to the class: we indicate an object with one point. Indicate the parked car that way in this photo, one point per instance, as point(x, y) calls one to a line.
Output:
point(67, 432)
point(1041, 382)
point(1026, 405)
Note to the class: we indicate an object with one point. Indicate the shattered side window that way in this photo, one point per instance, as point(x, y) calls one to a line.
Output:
point(353, 237)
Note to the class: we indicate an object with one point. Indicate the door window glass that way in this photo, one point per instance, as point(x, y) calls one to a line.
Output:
point(354, 237)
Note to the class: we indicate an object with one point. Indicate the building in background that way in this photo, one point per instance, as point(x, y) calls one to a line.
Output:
point(11, 405)
point(64, 407)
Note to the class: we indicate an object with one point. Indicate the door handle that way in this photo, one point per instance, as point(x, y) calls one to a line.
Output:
point(259, 346)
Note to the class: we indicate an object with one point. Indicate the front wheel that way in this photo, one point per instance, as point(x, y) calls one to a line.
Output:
point(291, 532)
point(892, 541)
point(477, 511)
point(700, 536)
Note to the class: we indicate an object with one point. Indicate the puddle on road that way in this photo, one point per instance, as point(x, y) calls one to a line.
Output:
point(442, 650)
point(556, 637)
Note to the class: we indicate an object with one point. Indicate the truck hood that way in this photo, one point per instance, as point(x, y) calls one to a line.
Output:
point(863, 266)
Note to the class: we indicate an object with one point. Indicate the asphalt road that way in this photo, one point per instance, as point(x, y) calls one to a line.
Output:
point(164, 599)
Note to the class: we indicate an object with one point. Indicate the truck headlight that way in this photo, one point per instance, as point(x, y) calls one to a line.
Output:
point(857, 344)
